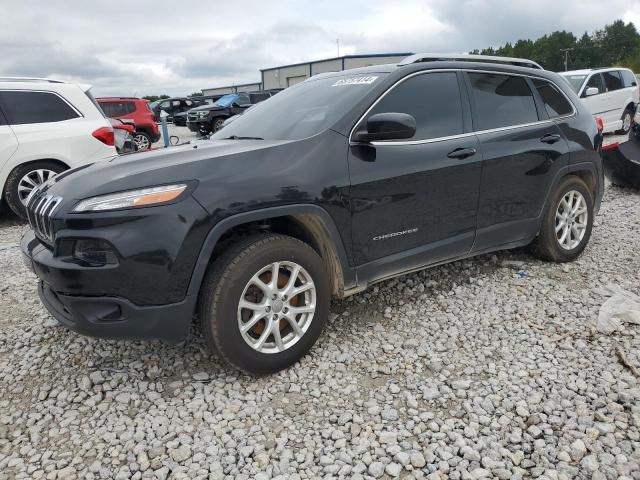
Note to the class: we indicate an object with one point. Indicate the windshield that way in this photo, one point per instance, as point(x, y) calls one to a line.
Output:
point(575, 81)
point(303, 110)
point(153, 105)
point(226, 100)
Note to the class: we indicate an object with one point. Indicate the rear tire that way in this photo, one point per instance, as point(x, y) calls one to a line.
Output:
point(627, 120)
point(25, 177)
point(244, 273)
point(142, 140)
point(567, 223)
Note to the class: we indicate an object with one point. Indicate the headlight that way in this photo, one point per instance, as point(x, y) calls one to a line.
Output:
point(202, 114)
point(143, 197)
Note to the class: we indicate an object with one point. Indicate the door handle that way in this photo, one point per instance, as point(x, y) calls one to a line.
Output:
point(550, 138)
point(462, 153)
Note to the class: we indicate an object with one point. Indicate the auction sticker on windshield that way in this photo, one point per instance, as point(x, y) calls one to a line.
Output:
point(361, 80)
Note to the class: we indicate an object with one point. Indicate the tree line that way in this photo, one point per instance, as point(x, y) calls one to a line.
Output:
point(617, 44)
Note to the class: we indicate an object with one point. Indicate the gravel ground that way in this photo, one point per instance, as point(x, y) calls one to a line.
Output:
point(483, 368)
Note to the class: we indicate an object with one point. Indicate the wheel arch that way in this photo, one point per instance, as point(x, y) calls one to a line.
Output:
point(11, 169)
point(308, 223)
point(585, 171)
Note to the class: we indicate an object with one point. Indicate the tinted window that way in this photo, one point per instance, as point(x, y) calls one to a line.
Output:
point(595, 81)
point(432, 99)
point(501, 101)
point(555, 103)
point(612, 80)
point(118, 109)
point(35, 107)
point(629, 78)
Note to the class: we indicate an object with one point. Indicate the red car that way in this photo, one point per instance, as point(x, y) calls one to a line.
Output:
point(136, 110)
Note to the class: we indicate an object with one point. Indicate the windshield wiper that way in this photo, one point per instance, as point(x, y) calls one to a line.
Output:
point(236, 137)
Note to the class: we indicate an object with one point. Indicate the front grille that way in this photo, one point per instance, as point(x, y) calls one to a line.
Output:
point(40, 211)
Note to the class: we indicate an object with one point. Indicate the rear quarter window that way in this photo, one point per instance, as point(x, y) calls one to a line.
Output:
point(501, 101)
point(26, 107)
point(555, 103)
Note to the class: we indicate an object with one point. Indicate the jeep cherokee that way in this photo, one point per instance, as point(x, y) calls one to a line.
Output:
point(336, 183)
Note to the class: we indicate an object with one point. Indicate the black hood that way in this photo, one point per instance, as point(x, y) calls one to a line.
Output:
point(156, 167)
point(207, 107)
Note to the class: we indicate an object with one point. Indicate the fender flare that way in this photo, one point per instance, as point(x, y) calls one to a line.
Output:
point(220, 228)
point(563, 172)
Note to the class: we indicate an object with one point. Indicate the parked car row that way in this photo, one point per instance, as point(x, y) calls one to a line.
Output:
point(137, 111)
point(210, 118)
point(341, 181)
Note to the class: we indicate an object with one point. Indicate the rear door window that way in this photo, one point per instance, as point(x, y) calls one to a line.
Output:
point(612, 80)
point(555, 103)
point(629, 79)
point(433, 99)
point(501, 101)
point(26, 107)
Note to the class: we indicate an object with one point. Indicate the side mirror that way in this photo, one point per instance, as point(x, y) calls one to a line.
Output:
point(387, 126)
point(591, 91)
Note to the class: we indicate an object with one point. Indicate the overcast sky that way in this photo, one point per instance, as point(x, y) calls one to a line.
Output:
point(178, 47)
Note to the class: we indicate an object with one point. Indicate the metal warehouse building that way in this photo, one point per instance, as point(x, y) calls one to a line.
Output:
point(288, 75)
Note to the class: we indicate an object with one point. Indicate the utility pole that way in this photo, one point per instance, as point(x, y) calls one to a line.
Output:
point(566, 56)
point(338, 44)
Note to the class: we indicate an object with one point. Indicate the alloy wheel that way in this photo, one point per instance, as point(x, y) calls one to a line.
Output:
point(142, 142)
point(276, 307)
point(572, 218)
point(626, 121)
point(32, 180)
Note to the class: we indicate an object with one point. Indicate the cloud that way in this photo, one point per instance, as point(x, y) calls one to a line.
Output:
point(180, 47)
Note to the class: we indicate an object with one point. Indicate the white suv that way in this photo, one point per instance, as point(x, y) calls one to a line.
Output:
point(47, 126)
point(609, 93)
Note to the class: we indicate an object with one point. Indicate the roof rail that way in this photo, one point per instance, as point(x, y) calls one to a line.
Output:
point(28, 79)
point(441, 57)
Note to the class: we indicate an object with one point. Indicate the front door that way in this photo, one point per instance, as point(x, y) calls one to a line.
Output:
point(414, 202)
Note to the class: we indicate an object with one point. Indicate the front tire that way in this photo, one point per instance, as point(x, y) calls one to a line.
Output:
point(567, 223)
point(216, 124)
point(23, 179)
point(264, 302)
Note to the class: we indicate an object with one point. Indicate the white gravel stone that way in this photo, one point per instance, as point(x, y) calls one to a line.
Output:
point(466, 370)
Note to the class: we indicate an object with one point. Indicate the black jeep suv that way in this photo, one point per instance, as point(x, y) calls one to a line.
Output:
point(339, 182)
point(209, 118)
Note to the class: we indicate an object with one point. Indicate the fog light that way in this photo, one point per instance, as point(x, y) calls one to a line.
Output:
point(95, 253)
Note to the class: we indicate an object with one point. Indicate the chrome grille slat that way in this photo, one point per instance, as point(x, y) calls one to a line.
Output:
point(40, 212)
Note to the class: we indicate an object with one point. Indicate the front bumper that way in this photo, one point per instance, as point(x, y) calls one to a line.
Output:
point(110, 317)
point(104, 316)
point(198, 125)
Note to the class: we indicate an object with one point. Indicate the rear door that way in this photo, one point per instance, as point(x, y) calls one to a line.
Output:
point(8, 141)
point(615, 99)
point(522, 151)
point(414, 202)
